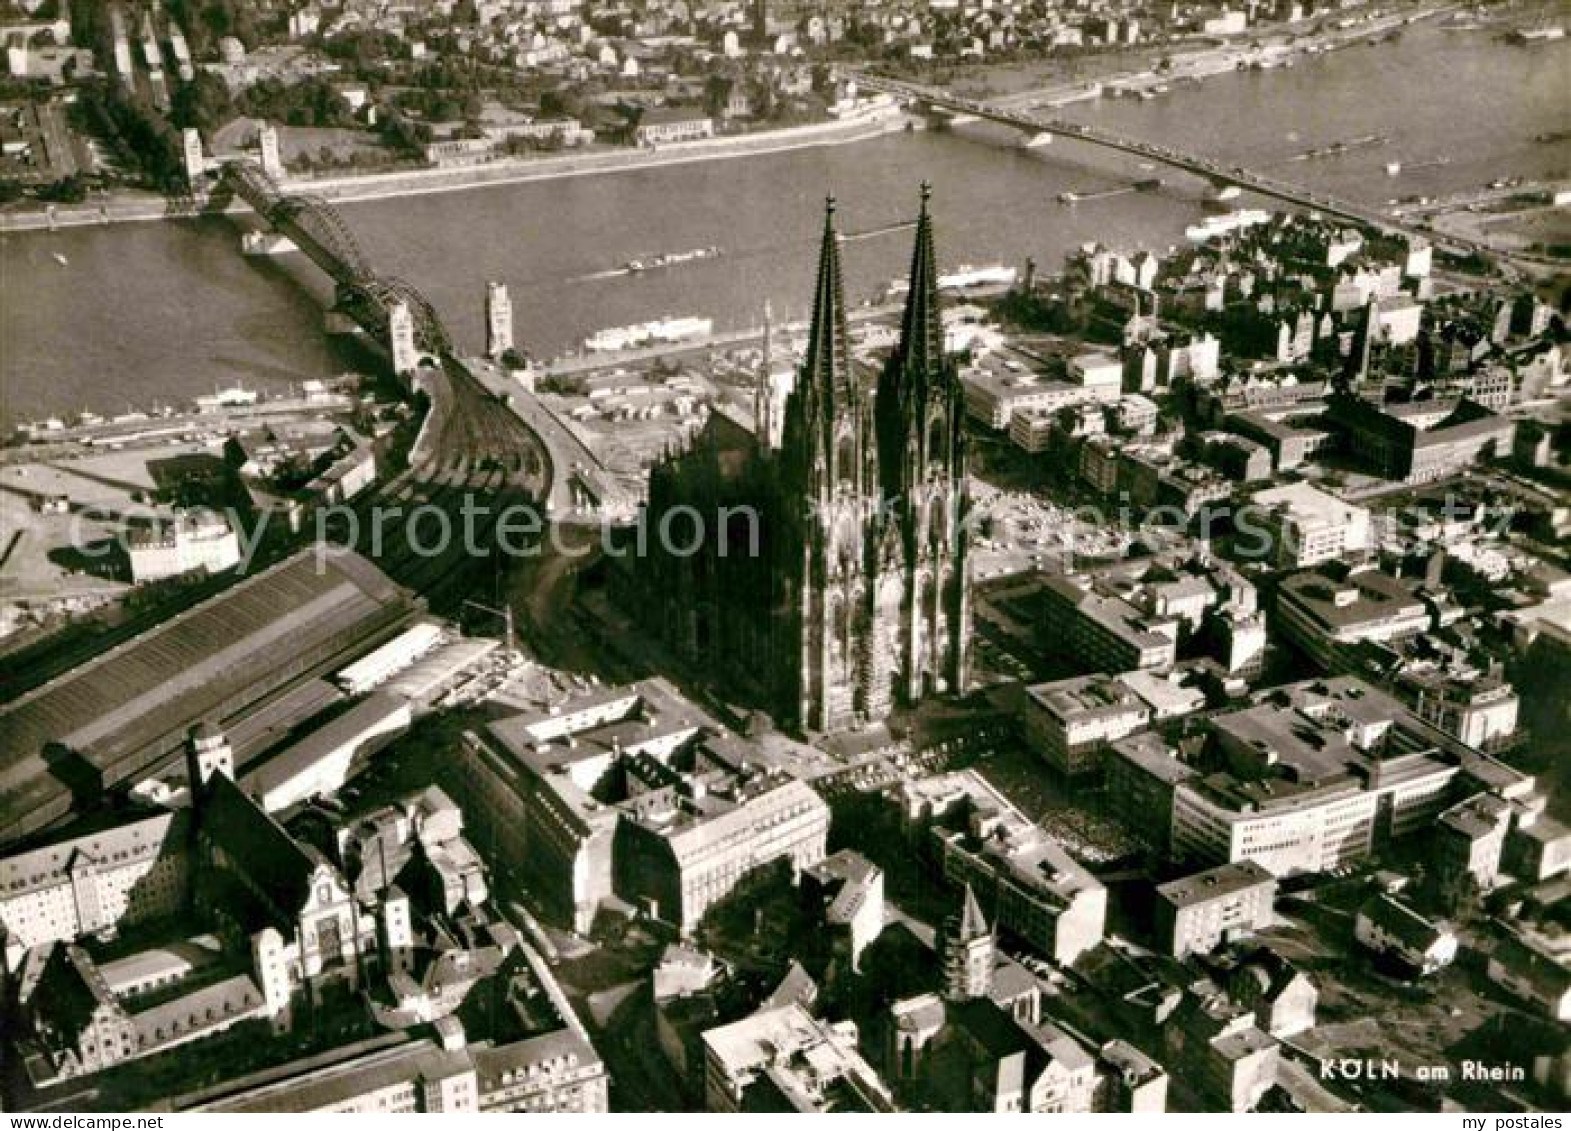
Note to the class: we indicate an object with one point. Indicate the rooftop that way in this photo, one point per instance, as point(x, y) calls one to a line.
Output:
point(1530, 961)
point(802, 1057)
point(1084, 697)
point(1479, 816)
point(299, 757)
point(644, 753)
point(323, 1086)
point(1114, 614)
point(1215, 883)
point(1319, 738)
point(1152, 754)
point(1346, 599)
point(997, 831)
point(1309, 506)
point(143, 838)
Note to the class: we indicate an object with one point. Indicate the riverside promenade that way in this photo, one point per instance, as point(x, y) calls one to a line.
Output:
point(132, 206)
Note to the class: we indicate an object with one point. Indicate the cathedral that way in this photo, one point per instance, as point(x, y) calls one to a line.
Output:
point(826, 579)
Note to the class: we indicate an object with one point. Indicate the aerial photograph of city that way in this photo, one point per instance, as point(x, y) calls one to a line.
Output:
point(773, 556)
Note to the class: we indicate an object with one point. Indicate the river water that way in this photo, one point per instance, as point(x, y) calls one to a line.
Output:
point(164, 310)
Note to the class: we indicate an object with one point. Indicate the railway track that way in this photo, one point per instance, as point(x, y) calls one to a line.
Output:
point(474, 450)
point(480, 429)
point(436, 556)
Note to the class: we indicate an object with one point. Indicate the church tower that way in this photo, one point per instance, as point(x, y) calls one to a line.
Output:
point(829, 495)
point(764, 389)
point(967, 952)
point(921, 429)
point(207, 753)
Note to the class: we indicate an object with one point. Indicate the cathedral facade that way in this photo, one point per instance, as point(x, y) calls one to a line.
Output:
point(817, 563)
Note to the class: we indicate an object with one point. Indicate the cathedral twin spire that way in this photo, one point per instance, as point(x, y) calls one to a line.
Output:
point(828, 387)
point(862, 599)
point(921, 349)
point(827, 373)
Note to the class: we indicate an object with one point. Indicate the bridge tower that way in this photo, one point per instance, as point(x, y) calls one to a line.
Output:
point(195, 160)
point(401, 339)
point(272, 158)
point(498, 321)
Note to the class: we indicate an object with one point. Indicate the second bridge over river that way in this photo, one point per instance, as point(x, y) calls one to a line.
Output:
point(1039, 126)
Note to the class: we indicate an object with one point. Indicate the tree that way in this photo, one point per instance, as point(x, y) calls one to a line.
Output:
point(67, 190)
point(204, 103)
point(766, 106)
point(565, 102)
point(717, 92)
point(311, 102)
point(402, 133)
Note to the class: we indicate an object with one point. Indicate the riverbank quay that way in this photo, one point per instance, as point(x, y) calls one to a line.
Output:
point(141, 207)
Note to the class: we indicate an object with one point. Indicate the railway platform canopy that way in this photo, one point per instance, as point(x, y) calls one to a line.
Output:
point(125, 713)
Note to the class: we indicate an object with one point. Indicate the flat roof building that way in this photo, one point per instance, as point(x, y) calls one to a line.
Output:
point(1307, 778)
point(636, 793)
point(1328, 612)
point(1306, 526)
point(995, 392)
point(786, 1060)
point(190, 541)
point(1409, 448)
point(1200, 912)
point(1105, 632)
point(1070, 721)
point(1312, 769)
point(552, 1072)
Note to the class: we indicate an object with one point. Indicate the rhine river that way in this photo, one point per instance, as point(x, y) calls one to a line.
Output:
point(103, 318)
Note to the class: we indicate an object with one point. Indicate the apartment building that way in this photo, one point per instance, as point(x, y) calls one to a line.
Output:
point(1200, 912)
point(1105, 633)
point(1305, 526)
point(1070, 722)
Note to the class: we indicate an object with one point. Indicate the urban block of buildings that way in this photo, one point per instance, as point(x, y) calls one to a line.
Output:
point(1031, 885)
point(1309, 778)
point(634, 795)
point(243, 925)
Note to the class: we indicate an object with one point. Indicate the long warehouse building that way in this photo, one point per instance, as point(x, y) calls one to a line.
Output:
point(122, 714)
